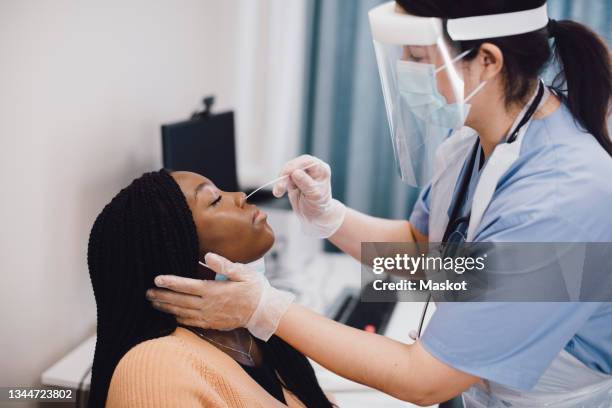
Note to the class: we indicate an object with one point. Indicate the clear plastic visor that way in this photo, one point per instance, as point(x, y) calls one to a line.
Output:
point(424, 97)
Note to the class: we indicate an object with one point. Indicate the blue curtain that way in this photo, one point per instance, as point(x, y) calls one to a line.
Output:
point(596, 14)
point(345, 120)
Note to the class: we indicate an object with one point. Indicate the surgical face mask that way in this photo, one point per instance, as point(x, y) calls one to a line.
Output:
point(419, 93)
point(257, 265)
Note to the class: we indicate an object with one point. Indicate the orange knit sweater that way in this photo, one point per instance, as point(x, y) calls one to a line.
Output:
point(182, 370)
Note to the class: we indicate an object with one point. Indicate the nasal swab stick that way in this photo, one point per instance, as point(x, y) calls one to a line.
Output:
point(278, 179)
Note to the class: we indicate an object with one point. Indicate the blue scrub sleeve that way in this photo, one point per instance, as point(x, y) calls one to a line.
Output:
point(508, 343)
point(419, 218)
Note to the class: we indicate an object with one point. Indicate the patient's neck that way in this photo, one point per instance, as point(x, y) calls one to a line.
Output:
point(232, 340)
point(237, 335)
point(228, 341)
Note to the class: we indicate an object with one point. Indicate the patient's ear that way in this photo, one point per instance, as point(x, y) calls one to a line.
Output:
point(204, 273)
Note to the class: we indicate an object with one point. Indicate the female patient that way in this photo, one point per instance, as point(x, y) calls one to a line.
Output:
point(165, 222)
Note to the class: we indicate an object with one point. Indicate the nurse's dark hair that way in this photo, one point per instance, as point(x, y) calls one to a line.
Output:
point(584, 80)
point(148, 230)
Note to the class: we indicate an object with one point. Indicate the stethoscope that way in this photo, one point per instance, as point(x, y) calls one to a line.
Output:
point(455, 221)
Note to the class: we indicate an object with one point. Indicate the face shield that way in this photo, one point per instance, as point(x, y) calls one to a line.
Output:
point(421, 75)
point(422, 86)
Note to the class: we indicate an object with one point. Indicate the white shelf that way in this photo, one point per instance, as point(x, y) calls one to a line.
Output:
point(69, 371)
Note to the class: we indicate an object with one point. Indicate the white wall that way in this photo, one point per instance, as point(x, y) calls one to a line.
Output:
point(84, 87)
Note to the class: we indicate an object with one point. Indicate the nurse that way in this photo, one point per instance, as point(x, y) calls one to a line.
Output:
point(502, 158)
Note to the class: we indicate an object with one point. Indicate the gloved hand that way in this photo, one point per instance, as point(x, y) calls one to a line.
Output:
point(309, 190)
point(245, 300)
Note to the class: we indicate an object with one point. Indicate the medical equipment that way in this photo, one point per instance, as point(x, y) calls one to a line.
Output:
point(350, 310)
point(413, 58)
point(311, 197)
point(269, 183)
point(414, 78)
point(424, 92)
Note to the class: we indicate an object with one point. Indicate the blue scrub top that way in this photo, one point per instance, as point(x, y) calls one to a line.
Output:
point(559, 190)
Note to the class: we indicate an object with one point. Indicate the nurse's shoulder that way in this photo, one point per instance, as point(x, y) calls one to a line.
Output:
point(584, 171)
point(558, 190)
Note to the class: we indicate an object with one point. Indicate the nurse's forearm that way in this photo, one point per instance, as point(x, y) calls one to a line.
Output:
point(407, 372)
point(358, 227)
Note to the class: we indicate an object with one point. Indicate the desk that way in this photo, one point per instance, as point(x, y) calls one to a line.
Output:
point(322, 281)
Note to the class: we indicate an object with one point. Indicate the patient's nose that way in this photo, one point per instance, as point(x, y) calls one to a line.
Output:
point(240, 199)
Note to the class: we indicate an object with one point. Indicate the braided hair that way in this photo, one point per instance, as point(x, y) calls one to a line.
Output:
point(145, 231)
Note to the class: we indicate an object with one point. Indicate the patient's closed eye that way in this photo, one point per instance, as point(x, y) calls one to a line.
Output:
point(416, 58)
point(216, 201)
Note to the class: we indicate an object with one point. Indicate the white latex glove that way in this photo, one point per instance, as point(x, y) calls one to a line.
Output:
point(310, 195)
point(245, 300)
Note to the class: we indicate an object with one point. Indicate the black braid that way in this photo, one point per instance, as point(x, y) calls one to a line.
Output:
point(145, 231)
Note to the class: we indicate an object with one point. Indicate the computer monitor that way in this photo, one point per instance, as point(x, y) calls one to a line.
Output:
point(205, 146)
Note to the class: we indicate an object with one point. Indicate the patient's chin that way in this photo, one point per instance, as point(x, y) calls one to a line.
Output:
point(247, 251)
point(253, 247)
point(266, 241)
point(263, 243)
